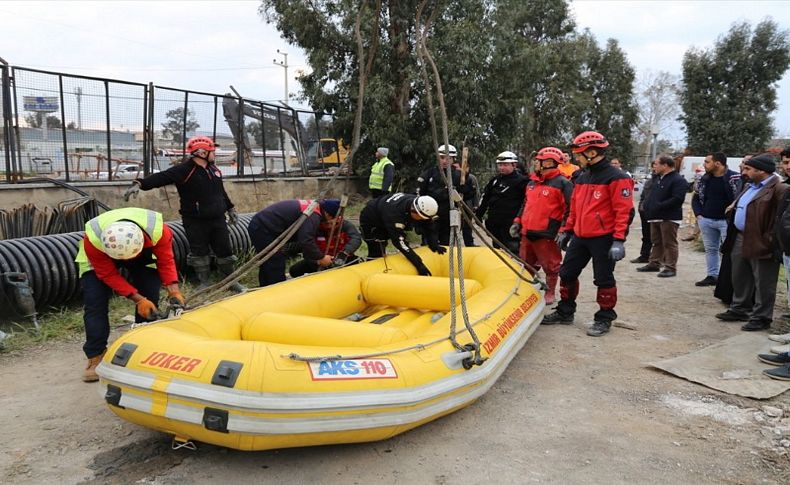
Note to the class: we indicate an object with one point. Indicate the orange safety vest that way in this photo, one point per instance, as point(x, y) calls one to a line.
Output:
point(567, 169)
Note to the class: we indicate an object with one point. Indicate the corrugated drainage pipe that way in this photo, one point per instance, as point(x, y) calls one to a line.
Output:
point(48, 263)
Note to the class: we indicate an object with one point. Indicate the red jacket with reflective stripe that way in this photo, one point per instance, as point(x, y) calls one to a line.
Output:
point(602, 202)
point(546, 205)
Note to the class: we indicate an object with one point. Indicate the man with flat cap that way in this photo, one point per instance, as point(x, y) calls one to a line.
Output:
point(754, 254)
point(381, 174)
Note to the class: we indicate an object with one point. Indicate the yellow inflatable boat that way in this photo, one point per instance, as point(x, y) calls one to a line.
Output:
point(355, 354)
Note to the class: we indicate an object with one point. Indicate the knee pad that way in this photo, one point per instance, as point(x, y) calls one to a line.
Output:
point(607, 298)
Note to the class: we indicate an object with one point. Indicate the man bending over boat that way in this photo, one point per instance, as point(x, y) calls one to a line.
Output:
point(268, 224)
point(341, 246)
point(390, 216)
point(138, 241)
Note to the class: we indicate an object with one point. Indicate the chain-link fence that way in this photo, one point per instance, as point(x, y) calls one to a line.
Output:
point(79, 128)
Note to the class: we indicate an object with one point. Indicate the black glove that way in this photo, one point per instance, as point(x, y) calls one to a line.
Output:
point(479, 214)
point(438, 250)
point(564, 240)
point(617, 251)
point(423, 271)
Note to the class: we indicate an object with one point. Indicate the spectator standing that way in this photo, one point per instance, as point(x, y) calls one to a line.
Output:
point(647, 243)
point(664, 211)
point(502, 198)
point(602, 207)
point(616, 164)
point(381, 173)
point(566, 167)
point(713, 192)
point(755, 264)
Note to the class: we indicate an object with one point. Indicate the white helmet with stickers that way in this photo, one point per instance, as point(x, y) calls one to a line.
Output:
point(122, 240)
point(507, 157)
point(426, 206)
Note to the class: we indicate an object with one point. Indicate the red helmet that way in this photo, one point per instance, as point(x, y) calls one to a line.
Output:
point(550, 153)
point(588, 139)
point(200, 143)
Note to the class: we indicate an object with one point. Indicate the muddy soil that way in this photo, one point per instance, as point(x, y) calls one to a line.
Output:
point(569, 409)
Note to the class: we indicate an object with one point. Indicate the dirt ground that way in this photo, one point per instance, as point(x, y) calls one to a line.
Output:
point(569, 409)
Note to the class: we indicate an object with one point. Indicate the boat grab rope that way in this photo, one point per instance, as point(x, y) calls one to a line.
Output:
point(419, 347)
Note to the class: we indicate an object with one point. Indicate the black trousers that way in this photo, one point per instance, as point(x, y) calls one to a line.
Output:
point(580, 251)
point(501, 230)
point(273, 270)
point(205, 235)
point(647, 241)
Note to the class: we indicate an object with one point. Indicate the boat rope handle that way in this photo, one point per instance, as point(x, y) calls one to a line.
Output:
point(421, 346)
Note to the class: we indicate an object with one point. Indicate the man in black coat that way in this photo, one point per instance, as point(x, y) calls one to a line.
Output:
point(502, 199)
point(204, 203)
point(663, 209)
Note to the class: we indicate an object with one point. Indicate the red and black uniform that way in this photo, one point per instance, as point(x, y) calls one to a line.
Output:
point(344, 244)
point(602, 208)
point(546, 205)
point(269, 223)
point(203, 205)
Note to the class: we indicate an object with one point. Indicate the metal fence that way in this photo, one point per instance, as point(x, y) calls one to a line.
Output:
point(80, 128)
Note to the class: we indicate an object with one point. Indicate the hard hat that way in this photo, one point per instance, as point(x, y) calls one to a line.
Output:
point(200, 143)
point(550, 153)
point(122, 240)
point(507, 157)
point(588, 139)
point(426, 206)
point(450, 150)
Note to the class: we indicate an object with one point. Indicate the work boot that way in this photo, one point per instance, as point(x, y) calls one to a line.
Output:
point(598, 328)
point(641, 259)
point(557, 317)
point(89, 374)
point(202, 267)
point(731, 316)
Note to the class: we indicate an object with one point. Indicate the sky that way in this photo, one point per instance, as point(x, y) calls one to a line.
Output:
point(208, 46)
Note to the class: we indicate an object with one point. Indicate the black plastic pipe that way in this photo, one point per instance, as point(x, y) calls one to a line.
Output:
point(48, 261)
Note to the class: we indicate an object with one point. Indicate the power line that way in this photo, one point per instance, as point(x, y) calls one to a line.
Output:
point(155, 69)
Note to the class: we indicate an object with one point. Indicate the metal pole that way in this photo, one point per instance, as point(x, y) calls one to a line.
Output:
point(283, 64)
point(145, 131)
point(8, 135)
point(78, 92)
point(150, 128)
point(263, 140)
point(109, 139)
point(16, 168)
point(184, 126)
point(63, 129)
point(654, 147)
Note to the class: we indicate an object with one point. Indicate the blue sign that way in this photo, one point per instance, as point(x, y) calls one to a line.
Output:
point(45, 104)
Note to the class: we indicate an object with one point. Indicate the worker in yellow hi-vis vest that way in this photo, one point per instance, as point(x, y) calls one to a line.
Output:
point(381, 174)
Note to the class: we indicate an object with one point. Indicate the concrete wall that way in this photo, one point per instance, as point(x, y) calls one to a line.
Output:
point(248, 196)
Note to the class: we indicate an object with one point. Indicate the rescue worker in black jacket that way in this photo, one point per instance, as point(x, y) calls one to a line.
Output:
point(204, 203)
point(269, 223)
point(502, 199)
point(432, 184)
point(390, 216)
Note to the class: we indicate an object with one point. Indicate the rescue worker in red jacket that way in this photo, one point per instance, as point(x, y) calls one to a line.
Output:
point(138, 241)
point(602, 207)
point(345, 241)
point(269, 223)
point(204, 204)
point(544, 211)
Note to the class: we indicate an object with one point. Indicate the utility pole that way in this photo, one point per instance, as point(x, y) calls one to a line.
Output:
point(284, 64)
point(654, 147)
point(78, 92)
